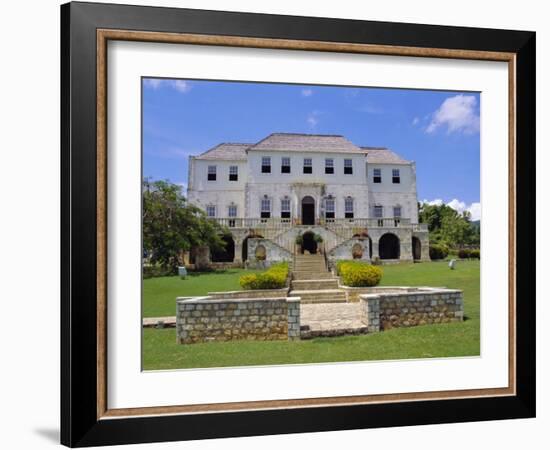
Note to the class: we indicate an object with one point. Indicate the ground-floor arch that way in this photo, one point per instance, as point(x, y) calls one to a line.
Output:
point(389, 246)
point(228, 253)
point(309, 244)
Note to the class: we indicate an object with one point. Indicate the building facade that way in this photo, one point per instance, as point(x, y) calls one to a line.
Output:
point(361, 201)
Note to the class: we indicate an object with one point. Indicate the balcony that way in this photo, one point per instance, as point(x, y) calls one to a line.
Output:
point(276, 222)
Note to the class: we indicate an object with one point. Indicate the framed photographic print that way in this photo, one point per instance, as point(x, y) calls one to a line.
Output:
point(277, 224)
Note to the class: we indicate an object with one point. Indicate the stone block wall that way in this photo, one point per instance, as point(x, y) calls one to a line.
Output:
point(204, 319)
point(268, 250)
point(407, 309)
point(253, 293)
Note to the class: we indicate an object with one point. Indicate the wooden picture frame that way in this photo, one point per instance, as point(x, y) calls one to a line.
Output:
point(85, 417)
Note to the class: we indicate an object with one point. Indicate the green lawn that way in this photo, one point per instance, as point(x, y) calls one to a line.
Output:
point(160, 350)
point(159, 294)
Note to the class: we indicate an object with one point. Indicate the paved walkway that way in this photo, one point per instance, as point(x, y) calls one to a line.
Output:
point(331, 319)
point(167, 322)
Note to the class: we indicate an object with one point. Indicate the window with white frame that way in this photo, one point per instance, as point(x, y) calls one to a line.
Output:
point(395, 177)
point(308, 165)
point(266, 164)
point(348, 167)
point(285, 164)
point(329, 208)
point(348, 208)
point(265, 208)
point(378, 211)
point(211, 173)
point(285, 208)
point(211, 210)
point(329, 165)
point(233, 173)
point(377, 176)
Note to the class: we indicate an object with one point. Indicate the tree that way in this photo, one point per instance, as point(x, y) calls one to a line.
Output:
point(448, 226)
point(171, 225)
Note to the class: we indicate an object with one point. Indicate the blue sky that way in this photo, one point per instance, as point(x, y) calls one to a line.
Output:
point(437, 129)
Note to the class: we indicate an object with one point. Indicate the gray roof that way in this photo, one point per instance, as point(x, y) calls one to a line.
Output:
point(306, 143)
point(380, 155)
point(226, 151)
point(325, 143)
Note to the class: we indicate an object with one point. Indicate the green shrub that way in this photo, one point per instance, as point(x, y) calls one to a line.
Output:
point(273, 278)
point(153, 271)
point(438, 251)
point(465, 253)
point(318, 238)
point(358, 274)
point(299, 240)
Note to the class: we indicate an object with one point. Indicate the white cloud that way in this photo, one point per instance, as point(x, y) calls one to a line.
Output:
point(436, 202)
point(415, 121)
point(153, 83)
point(457, 114)
point(307, 92)
point(459, 206)
point(159, 83)
point(181, 86)
point(313, 118)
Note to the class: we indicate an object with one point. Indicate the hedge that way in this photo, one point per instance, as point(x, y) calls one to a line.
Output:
point(465, 253)
point(358, 274)
point(438, 251)
point(273, 278)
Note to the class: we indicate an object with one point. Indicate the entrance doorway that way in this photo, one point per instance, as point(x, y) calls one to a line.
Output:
point(308, 211)
point(308, 243)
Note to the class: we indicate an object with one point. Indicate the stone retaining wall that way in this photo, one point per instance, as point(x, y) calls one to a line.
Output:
point(353, 294)
point(253, 293)
point(204, 319)
point(382, 311)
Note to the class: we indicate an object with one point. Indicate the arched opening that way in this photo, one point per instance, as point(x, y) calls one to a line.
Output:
point(308, 210)
point(417, 248)
point(309, 244)
point(388, 246)
point(228, 253)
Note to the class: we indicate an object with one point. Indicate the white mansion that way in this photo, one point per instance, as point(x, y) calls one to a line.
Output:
point(362, 201)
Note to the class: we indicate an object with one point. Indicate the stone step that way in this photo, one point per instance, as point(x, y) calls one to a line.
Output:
point(315, 285)
point(310, 268)
point(310, 275)
point(320, 296)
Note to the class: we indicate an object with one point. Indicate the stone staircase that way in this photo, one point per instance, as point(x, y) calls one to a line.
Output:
point(313, 282)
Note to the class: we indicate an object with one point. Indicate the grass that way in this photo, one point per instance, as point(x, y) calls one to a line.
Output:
point(160, 350)
point(159, 294)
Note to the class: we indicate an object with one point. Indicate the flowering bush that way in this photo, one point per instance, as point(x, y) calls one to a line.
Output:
point(273, 278)
point(358, 274)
